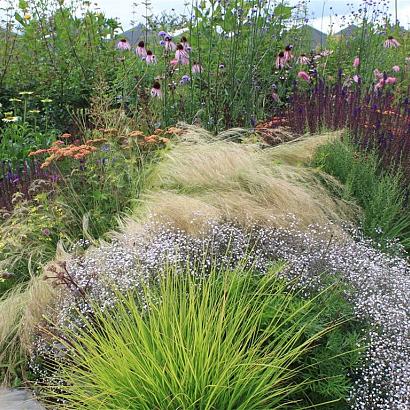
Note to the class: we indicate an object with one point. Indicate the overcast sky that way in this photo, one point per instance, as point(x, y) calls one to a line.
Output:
point(123, 10)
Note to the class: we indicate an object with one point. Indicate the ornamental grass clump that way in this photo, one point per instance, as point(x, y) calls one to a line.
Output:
point(227, 340)
point(213, 178)
point(21, 310)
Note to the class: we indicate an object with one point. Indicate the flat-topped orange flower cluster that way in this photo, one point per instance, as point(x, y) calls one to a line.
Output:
point(60, 150)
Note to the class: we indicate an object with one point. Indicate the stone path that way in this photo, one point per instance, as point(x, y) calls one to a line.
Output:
point(18, 400)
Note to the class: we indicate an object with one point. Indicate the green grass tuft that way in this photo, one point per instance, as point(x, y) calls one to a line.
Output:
point(230, 341)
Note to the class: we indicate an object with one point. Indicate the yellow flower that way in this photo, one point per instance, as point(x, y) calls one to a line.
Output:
point(15, 100)
point(27, 16)
point(46, 101)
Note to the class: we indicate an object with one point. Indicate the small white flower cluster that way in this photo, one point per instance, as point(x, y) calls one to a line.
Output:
point(377, 284)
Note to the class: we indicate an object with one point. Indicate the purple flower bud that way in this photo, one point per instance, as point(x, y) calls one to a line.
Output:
point(185, 79)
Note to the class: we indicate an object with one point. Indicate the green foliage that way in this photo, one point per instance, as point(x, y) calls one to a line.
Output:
point(7, 284)
point(231, 340)
point(333, 359)
point(57, 54)
point(18, 140)
point(380, 193)
point(104, 187)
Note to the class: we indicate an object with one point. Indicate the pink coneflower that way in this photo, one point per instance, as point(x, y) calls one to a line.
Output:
point(185, 44)
point(303, 75)
point(140, 50)
point(391, 42)
point(356, 62)
point(288, 53)
point(156, 90)
point(181, 55)
point(303, 60)
point(396, 68)
point(123, 44)
point(174, 62)
point(169, 44)
point(391, 80)
point(150, 59)
point(196, 68)
point(379, 85)
point(280, 61)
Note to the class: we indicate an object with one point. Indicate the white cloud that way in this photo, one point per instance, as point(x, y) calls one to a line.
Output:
point(126, 12)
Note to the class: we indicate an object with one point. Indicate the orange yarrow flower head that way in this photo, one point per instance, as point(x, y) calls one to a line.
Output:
point(59, 150)
point(174, 131)
point(38, 152)
point(136, 134)
point(151, 139)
